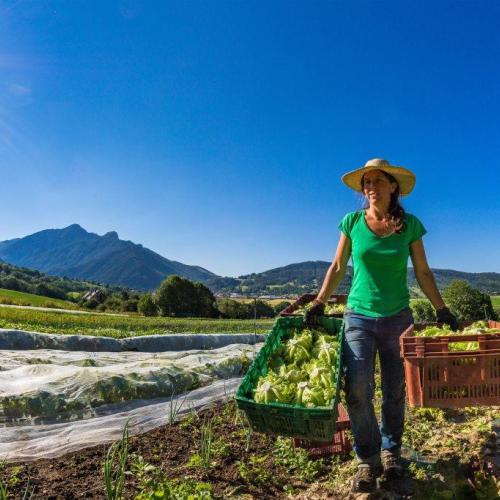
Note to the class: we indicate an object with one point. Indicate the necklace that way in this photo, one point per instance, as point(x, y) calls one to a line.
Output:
point(385, 226)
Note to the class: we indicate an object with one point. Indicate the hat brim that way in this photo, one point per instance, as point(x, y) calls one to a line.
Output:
point(406, 178)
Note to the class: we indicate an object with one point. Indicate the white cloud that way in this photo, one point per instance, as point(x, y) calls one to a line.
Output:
point(19, 90)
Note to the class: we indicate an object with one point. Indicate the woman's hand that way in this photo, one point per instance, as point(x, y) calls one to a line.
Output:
point(311, 316)
point(444, 315)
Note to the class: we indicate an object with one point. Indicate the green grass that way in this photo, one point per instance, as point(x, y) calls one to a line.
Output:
point(121, 326)
point(495, 300)
point(12, 297)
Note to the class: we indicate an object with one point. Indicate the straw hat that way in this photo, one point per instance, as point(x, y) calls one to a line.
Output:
point(406, 178)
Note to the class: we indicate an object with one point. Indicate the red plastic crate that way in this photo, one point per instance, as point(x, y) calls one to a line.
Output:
point(340, 445)
point(309, 297)
point(439, 378)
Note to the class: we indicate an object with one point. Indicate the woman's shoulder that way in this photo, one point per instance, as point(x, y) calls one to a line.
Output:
point(354, 216)
point(411, 218)
point(349, 221)
point(415, 226)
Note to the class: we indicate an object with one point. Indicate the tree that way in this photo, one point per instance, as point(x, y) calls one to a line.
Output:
point(147, 306)
point(233, 309)
point(11, 283)
point(130, 305)
point(423, 312)
point(206, 301)
point(113, 303)
point(469, 304)
point(263, 310)
point(178, 296)
point(280, 306)
point(91, 304)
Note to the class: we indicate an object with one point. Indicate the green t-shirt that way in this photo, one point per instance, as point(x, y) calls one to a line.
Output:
point(379, 283)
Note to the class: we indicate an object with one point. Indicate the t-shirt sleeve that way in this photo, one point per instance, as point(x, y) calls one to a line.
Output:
point(346, 224)
point(417, 229)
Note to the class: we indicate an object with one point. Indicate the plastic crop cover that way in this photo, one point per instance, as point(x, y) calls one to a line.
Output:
point(30, 442)
point(20, 339)
point(55, 401)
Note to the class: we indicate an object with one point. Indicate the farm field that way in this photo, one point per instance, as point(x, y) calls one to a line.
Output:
point(271, 302)
point(215, 454)
point(495, 300)
point(122, 326)
point(13, 297)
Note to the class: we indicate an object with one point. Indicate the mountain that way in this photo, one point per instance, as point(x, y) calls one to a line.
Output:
point(307, 277)
point(35, 282)
point(76, 253)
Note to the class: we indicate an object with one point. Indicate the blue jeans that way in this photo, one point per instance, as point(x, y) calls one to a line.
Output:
point(364, 336)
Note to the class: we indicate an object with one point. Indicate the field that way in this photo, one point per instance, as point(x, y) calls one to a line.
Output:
point(12, 297)
point(495, 300)
point(271, 302)
point(122, 326)
point(215, 454)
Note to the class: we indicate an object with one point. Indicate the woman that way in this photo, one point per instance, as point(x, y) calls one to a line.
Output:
point(379, 238)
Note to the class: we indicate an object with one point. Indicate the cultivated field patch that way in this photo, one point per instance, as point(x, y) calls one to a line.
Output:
point(122, 326)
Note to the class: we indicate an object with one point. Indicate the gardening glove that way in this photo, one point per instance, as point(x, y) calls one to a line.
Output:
point(446, 316)
point(311, 316)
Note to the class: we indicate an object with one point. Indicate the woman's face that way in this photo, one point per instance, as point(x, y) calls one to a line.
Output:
point(377, 187)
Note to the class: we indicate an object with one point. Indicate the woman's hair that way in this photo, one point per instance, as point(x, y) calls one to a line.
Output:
point(396, 211)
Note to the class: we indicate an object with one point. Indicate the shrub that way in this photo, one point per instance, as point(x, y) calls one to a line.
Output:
point(469, 304)
point(263, 310)
point(423, 312)
point(91, 304)
point(113, 303)
point(280, 306)
point(130, 305)
point(233, 309)
point(147, 306)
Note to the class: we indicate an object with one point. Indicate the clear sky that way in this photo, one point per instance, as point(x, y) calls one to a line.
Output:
point(216, 132)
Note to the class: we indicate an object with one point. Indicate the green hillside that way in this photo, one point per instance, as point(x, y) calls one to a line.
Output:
point(307, 277)
point(12, 297)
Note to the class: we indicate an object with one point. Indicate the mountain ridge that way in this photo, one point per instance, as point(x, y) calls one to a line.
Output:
point(76, 253)
point(307, 277)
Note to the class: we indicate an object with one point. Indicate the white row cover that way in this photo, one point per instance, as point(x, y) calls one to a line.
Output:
point(33, 442)
point(46, 386)
point(20, 339)
point(54, 401)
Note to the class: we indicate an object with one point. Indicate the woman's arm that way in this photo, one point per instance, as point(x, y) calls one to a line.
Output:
point(336, 270)
point(424, 275)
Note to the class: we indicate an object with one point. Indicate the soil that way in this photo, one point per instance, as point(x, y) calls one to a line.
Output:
point(79, 474)
point(170, 448)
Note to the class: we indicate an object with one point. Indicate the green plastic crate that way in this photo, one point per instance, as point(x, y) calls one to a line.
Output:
point(317, 424)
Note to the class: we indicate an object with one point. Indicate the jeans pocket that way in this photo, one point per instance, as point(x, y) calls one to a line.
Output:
point(348, 312)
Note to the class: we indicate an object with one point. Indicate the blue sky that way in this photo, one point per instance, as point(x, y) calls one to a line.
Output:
point(216, 133)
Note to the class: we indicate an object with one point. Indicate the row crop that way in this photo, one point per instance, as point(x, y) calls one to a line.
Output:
point(121, 326)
